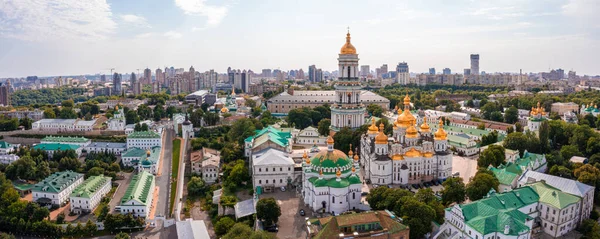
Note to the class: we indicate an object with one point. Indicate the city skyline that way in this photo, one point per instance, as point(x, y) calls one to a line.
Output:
point(93, 37)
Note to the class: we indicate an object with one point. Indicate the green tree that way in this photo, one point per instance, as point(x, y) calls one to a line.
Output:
point(122, 235)
point(239, 231)
point(49, 113)
point(511, 115)
point(69, 164)
point(569, 151)
point(454, 191)
point(590, 229)
point(561, 171)
point(588, 174)
point(323, 126)
point(250, 103)
point(68, 103)
point(544, 136)
point(60, 218)
point(375, 110)
point(494, 155)
point(223, 225)
point(131, 117)
point(516, 141)
point(228, 201)
point(418, 216)
point(268, 210)
point(90, 228)
point(480, 185)
point(196, 186)
point(490, 138)
point(241, 129)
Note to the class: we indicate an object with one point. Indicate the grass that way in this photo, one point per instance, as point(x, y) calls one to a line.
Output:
point(174, 171)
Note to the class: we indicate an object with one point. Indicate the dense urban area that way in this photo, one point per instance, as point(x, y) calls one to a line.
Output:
point(350, 153)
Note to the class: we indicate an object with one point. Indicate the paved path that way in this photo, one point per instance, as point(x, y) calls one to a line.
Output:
point(123, 184)
point(164, 178)
point(180, 178)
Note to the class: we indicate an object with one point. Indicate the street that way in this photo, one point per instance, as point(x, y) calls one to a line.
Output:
point(163, 181)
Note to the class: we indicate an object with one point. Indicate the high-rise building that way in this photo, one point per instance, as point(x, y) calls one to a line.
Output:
point(117, 84)
point(5, 93)
point(432, 71)
point(447, 71)
point(160, 77)
point(300, 74)
point(475, 64)
point(267, 73)
point(365, 71)
point(312, 73)
point(147, 76)
point(103, 78)
point(403, 75)
point(467, 72)
point(134, 84)
point(348, 110)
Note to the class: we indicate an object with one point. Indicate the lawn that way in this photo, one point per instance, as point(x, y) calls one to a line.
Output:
point(174, 171)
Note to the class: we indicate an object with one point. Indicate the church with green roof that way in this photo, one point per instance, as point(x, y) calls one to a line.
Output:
point(330, 181)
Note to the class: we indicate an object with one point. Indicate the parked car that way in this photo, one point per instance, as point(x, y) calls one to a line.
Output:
point(273, 228)
point(364, 193)
point(283, 189)
point(302, 213)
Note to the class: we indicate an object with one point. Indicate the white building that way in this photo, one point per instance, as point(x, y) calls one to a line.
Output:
point(107, 147)
point(63, 125)
point(310, 136)
point(142, 159)
point(89, 194)
point(144, 140)
point(56, 188)
point(53, 147)
point(7, 148)
point(139, 195)
point(117, 122)
point(79, 141)
point(272, 168)
point(538, 115)
point(8, 158)
point(331, 182)
point(210, 168)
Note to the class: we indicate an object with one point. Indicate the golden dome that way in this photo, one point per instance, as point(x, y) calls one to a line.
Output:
point(407, 99)
point(373, 128)
point(338, 173)
point(305, 155)
point(405, 119)
point(412, 152)
point(356, 157)
point(381, 138)
point(353, 169)
point(440, 134)
point(148, 153)
point(411, 132)
point(397, 157)
point(348, 48)
point(428, 154)
point(330, 140)
point(350, 153)
point(425, 127)
point(321, 172)
point(224, 110)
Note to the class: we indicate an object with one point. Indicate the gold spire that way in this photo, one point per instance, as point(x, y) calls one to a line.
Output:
point(411, 132)
point(440, 134)
point(321, 172)
point(413, 153)
point(338, 173)
point(381, 138)
point(407, 99)
point(350, 153)
point(356, 157)
point(425, 127)
point(373, 128)
point(330, 140)
point(348, 48)
point(353, 169)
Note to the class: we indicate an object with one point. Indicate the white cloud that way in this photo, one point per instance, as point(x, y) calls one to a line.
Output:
point(214, 14)
point(135, 20)
point(37, 20)
point(173, 35)
point(145, 35)
point(581, 8)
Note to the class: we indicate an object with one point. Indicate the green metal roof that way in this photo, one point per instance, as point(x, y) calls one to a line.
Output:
point(491, 214)
point(270, 133)
point(143, 135)
point(553, 196)
point(22, 186)
point(56, 182)
point(333, 183)
point(56, 146)
point(504, 177)
point(139, 188)
point(5, 145)
point(134, 152)
point(67, 139)
point(90, 186)
point(333, 159)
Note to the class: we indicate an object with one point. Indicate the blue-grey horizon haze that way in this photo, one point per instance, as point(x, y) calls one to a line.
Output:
point(72, 37)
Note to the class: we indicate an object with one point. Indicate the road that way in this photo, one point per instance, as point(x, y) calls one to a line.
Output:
point(180, 179)
point(163, 181)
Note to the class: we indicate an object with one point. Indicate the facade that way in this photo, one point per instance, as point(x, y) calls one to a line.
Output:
point(538, 115)
point(210, 167)
point(117, 122)
point(403, 73)
point(310, 136)
point(272, 168)
point(297, 99)
point(268, 137)
point(106, 147)
point(5, 93)
point(56, 188)
point(372, 224)
point(63, 125)
point(200, 97)
point(570, 117)
point(584, 191)
point(144, 140)
point(88, 194)
point(474, 64)
point(561, 108)
point(348, 110)
point(196, 159)
point(142, 159)
point(410, 156)
point(331, 182)
point(50, 148)
point(79, 141)
point(139, 195)
point(8, 158)
point(515, 214)
point(117, 84)
point(509, 173)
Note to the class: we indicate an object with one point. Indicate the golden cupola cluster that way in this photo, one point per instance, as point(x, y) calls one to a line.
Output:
point(348, 48)
point(425, 127)
point(405, 119)
point(538, 110)
point(381, 138)
point(373, 128)
point(440, 134)
point(306, 158)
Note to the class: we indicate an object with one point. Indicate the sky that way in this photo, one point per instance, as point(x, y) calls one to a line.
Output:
point(72, 37)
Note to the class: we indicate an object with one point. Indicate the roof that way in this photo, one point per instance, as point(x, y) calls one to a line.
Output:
point(5, 145)
point(330, 159)
point(22, 186)
point(566, 185)
point(191, 229)
point(578, 159)
point(64, 139)
point(90, 186)
point(211, 160)
point(270, 133)
point(57, 182)
point(143, 134)
point(108, 145)
point(552, 196)
point(56, 121)
point(323, 96)
point(272, 157)
point(330, 226)
point(85, 122)
point(505, 177)
point(56, 146)
point(142, 155)
point(139, 188)
point(334, 183)
point(493, 213)
point(245, 208)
